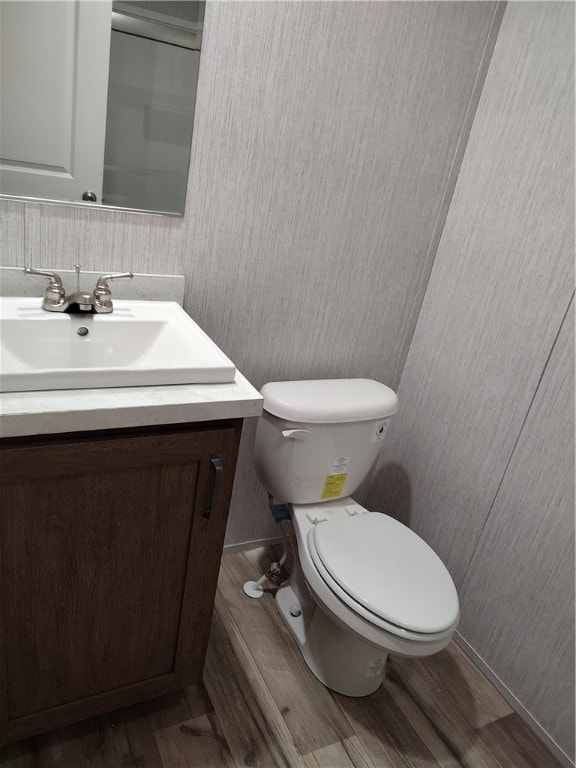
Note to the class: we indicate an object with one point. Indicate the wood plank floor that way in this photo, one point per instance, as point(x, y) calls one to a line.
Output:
point(261, 707)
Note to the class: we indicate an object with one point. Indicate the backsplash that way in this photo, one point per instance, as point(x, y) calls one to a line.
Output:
point(13, 282)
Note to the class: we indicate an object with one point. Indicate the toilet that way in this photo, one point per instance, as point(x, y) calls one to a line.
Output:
point(362, 584)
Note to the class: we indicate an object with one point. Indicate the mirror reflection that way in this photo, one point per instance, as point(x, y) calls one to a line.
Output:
point(97, 101)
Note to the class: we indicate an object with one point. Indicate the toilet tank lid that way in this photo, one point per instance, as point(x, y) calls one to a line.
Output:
point(329, 401)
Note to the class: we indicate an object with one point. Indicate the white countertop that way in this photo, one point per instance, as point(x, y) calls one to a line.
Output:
point(75, 410)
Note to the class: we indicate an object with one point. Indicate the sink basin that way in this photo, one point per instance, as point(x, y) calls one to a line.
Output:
point(141, 343)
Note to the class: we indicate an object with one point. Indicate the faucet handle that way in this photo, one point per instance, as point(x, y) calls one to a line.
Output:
point(102, 292)
point(55, 294)
point(52, 276)
point(102, 282)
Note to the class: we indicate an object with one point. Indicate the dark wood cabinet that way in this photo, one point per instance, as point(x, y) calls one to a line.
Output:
point(110, 546)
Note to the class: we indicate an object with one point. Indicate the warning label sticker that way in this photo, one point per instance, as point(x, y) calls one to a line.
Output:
point(333, 486)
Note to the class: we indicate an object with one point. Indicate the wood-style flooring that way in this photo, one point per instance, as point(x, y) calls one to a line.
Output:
point(260, 706)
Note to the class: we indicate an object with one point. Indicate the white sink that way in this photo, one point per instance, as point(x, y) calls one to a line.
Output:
point(141, 343)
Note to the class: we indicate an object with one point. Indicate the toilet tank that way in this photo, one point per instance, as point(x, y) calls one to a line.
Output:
point(317, 440)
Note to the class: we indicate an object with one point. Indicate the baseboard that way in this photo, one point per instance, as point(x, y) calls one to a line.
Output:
point(244, 545)
point(556, 750)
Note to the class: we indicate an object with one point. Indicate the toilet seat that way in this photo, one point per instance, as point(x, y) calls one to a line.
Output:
point(358, 620)
point(386, 574)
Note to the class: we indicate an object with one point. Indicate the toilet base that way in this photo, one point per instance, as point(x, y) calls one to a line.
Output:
point(340, 660)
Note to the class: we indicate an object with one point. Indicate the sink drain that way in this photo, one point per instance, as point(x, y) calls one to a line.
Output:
point(83, 331)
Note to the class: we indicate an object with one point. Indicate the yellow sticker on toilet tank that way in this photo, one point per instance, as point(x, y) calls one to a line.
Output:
point(333, 486)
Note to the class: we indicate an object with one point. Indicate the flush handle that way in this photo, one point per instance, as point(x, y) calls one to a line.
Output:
point(295, 434)
point(218, 464)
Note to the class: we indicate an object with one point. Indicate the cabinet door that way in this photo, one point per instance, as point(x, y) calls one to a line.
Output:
point(109, 559)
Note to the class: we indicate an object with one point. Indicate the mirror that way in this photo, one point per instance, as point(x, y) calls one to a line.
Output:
point(97, 101)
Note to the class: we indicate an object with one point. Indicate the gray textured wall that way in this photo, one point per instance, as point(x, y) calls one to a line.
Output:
point(519, 590)
point(327, 142)
point(479, 459)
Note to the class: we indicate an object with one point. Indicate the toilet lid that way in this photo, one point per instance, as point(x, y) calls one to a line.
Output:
point(389, 570)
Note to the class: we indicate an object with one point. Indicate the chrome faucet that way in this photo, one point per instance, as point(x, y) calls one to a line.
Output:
point(55, 299)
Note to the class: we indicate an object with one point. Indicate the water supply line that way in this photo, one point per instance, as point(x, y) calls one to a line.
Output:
point(254, 588)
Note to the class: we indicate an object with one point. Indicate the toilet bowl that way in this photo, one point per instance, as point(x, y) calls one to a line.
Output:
point(362, 585)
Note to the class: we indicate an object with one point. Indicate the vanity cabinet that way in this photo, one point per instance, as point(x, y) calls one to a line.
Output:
point(110, 545)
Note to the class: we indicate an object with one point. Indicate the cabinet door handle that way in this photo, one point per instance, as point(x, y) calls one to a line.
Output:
point(218, 464)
